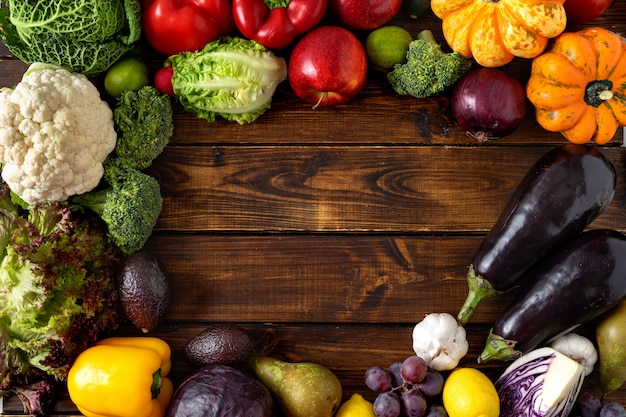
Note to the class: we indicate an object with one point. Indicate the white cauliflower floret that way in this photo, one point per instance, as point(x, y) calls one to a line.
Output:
point(55, 133)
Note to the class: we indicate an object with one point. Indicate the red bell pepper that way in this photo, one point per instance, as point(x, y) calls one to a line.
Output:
point(276, 23)
point(173, 26)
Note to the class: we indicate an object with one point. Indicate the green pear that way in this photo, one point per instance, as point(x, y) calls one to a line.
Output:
point(611, 339)
point(302, 389)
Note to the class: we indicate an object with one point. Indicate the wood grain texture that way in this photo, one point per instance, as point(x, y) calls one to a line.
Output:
point(333, 231)
point(323, 279)
point(352, 189)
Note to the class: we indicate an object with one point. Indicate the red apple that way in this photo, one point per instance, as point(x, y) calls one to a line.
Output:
point(328, 66)
point(364, 14)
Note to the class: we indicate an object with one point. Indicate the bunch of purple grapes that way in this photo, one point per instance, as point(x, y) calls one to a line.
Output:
point(590, 405)
point(407, 389)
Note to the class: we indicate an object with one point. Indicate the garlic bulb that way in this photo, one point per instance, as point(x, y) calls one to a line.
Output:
point(440, 340)
point(578, 348)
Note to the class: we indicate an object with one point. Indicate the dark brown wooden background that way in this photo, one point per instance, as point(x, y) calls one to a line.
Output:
point(336, 230)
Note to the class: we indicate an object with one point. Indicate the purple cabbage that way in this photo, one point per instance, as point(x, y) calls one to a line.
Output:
point(221, 391)
point(523, 386)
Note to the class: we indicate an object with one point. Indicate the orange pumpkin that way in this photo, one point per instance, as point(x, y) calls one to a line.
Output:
point(493, 32)
point(578, 87)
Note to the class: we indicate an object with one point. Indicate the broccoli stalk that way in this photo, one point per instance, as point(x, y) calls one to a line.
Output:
point(428, 71)
point(130, 202)
point(129, 206)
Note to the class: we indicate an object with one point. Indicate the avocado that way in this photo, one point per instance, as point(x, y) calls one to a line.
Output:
point(144, 290)
point(220, 343)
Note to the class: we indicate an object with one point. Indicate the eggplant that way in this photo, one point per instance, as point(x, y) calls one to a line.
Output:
point(562, 193)
point(576, 284)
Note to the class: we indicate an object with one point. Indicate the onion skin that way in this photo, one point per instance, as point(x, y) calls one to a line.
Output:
point(488, 103)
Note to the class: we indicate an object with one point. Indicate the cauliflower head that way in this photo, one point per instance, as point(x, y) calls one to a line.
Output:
point(55, 133)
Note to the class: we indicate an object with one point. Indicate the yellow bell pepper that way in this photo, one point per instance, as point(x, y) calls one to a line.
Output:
point(122, 377)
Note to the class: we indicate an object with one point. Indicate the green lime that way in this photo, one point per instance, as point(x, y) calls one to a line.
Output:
point(387, 46)
point(126, 74)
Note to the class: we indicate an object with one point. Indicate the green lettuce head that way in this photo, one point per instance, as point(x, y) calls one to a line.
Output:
point(231, 77)
point(57, 296)
point(85, 36)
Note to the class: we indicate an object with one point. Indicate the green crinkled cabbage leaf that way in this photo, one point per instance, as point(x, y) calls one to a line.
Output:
point(85, 36)
point(234, 78)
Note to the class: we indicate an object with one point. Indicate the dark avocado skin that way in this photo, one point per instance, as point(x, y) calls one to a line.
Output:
point(220, 343)
point(144, 290)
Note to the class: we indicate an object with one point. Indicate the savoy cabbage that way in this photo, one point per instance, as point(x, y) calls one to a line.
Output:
point(85, 36)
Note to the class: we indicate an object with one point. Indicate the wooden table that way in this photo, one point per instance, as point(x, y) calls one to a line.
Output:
point(337, 229)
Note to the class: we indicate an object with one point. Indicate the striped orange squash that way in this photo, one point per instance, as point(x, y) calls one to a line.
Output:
point(578, 87)
point(493, 32)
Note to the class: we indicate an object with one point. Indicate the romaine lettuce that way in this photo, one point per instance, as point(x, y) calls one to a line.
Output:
point(231, 77)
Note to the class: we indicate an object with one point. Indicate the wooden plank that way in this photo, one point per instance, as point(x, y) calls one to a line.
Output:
point(365, 189)
point(317, 278)
point(375, 116)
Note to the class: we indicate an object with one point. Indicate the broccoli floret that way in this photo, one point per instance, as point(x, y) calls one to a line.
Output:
point(144, 122)
point(130, 206)
point(428, 70)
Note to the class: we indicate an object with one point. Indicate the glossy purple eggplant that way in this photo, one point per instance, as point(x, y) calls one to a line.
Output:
point(583, 279)
point(562, 193)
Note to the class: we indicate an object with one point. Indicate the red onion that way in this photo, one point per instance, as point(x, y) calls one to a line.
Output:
point(488, 103)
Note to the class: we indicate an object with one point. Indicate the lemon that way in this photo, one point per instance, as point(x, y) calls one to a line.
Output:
point(356, 406)
point(126, 74)
point(468, 392)
point(387, 46)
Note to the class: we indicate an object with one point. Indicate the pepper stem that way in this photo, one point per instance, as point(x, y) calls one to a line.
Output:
point(276, 4)
point(479, 289)
point(157, 381)
point(499, 348)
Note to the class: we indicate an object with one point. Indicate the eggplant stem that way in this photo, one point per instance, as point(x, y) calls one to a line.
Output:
point(479, 289)
point(499, 348)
